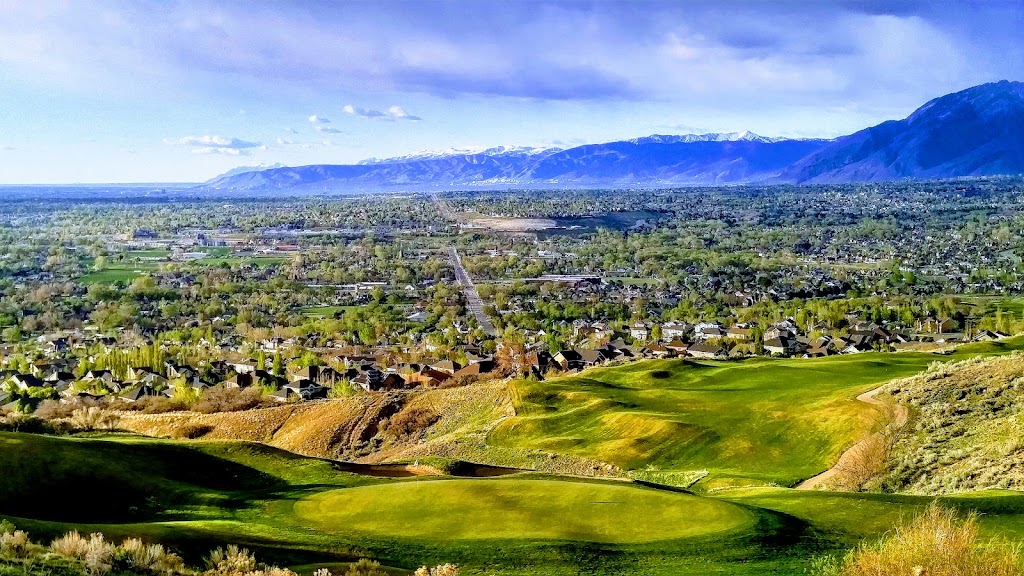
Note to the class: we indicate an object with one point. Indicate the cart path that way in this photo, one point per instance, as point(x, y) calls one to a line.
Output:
point(899, 418)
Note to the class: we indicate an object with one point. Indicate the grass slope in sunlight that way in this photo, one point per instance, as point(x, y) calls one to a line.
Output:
point(752, 421)
point(521, 509)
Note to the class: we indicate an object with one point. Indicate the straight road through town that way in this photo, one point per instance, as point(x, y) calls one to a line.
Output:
point(473, 300)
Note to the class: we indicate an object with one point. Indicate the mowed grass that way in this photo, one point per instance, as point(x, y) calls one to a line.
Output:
point(304, 512)
point(521, 509)
point(857, 516)
point(754, 421)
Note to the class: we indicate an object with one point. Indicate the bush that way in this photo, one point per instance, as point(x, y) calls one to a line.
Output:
point(410, 422)
point(14, 542)
point(94, 552)
point(159, 405)
point(232, 560)
point(134, 554)
point(442, 570)
point(191, 431)
point(222, 399)
point(935, 543)
point(365, 568)
point(93, 418)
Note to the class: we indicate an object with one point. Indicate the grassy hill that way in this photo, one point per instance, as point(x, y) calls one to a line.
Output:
point(748, 422)
point(302, 511)
point(966, 431)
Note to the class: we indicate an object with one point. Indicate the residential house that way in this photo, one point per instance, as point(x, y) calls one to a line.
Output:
point(705, 350)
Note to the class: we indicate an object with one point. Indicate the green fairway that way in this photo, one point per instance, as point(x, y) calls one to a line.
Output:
point(293, 510)
point(754, 421)
point(521, 509)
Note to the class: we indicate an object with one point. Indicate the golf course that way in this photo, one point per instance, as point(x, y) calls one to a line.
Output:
point(743, 433)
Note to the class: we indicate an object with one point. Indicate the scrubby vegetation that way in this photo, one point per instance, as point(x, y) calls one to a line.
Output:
point(966, 429)
point(937, 542)
point(75, 554)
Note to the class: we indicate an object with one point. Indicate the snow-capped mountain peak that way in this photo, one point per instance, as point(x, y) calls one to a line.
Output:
point(457, 152)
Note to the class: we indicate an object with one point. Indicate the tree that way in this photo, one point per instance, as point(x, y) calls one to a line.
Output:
point(278, 367)
point(512, 354)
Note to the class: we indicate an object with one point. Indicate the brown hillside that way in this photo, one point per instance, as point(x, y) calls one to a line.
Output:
point(376, 428)
point(967, 428)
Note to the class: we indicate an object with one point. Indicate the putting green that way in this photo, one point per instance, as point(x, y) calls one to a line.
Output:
point(520, 509)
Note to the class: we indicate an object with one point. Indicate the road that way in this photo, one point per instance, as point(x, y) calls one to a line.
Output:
point(473, 300)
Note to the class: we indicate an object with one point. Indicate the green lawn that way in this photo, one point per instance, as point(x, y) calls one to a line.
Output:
point(747, 422)
point(755, 421)
point(521, 509)
point(305, 512)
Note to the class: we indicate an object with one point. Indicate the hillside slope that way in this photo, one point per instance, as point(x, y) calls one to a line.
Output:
point(975, 132)
point(448, 423)
point(967, 428)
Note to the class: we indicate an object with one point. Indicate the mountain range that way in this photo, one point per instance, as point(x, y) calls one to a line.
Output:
point(976, 132)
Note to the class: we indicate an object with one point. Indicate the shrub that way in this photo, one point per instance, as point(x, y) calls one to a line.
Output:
point(442, 570)
point(94, 552)
point(410, 422)
point(935, 543)
point(134, 554)
point(93, 418)
point(192, 431)
point(232, 560)
point(14, 542)
point(222, 399)
point(19, 422)
point(365, 567)
point(159, 405)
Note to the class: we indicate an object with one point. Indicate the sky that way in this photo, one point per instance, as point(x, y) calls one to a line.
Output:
point(180, 91)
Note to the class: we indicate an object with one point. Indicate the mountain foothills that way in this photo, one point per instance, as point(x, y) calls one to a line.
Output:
point(975, 132)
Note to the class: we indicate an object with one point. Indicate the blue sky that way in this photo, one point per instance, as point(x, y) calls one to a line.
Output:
point(181, 90)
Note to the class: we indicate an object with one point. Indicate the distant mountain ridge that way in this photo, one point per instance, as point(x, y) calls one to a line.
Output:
point(975, 132)
point(653, 160)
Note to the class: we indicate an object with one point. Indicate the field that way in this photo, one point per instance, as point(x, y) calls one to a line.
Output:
point(139, 262)
point(751, 422)
point(748, 423)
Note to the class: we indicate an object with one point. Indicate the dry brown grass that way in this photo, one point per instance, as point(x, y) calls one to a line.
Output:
point(223, 399)
point(965, 432)
point(350, 429)
point(936, 543)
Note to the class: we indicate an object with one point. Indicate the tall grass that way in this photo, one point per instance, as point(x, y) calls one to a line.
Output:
point(938, 542)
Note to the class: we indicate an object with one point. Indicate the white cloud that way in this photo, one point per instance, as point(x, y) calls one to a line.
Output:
point(214, 150)
point(213, 144)
point(314, 119)
point(327, 130)
point(392, 113)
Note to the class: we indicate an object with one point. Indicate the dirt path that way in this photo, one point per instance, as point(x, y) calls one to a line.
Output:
point(899, 418)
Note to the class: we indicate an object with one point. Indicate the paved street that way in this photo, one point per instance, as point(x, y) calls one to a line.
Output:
point(476, 304)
